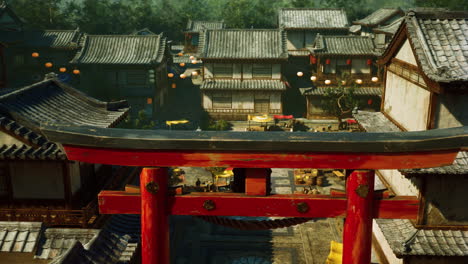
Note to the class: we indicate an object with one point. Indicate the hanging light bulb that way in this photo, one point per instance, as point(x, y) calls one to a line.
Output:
point(194, 61)
point(173, 85)
point(48, 64)
point(192, 57)
point(327, 82)
point(182, 76)
point(63, 69)
point(300, 74)
point(343, 82)
point(76, 71)
point(313, 78)
point(194, 73)
point(375, 79)
point(359, 81)
point(170, 75)
point(35, 54)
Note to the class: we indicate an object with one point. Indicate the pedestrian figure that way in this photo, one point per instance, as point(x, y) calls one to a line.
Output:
point(198, 183)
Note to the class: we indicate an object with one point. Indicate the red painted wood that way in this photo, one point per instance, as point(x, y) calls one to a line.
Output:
point(261, 160)
point(357, 232)
point(257, 181)
point(235, 204)
point(154, 217)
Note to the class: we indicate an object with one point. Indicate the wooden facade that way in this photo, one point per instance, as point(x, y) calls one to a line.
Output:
point(249, 82)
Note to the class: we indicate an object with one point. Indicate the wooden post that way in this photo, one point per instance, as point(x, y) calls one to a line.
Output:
point(257, 182)
point(154, 216)
point(357, 233)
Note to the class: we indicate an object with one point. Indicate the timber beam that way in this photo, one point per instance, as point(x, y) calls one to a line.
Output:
point(277, 205)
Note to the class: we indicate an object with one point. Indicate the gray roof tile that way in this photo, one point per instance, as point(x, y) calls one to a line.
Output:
point(440, 43)
point(19, 236)
point(121, 49)
point(243, 85)
point(404, 239)
point(243, 44)
point(380, 16)
point(344, 45)
point(357, 91)
point(312, 18)
point(391, 28)
point(197, 26)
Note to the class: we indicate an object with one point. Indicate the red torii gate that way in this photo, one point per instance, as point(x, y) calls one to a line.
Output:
point(257, 152)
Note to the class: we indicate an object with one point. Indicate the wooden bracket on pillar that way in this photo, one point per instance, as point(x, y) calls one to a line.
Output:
point(257, 182)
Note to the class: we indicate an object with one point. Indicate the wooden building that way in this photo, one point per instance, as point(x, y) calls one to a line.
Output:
point(240, 78)
point(37, 182)
point(342, 61)
point(192, 32)
point(130, 67)
point(426, 84)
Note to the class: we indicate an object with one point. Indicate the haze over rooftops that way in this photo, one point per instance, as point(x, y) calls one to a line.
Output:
point(243, 44)
point(312, 18)
point(379, 17)
point(121, 49)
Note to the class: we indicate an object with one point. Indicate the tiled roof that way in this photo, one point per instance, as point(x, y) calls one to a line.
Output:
point(51, 101)
point(121, 49)
point(391, 28)
point(300, 53)
point(197, 26)
point(243, 44)
point(244, 85)
point(103, 248)
point(312, 18)
point(355, 28)
point(126, 225)
point(19, 236)
point(180, 59)
point(459, 166)
point(23, 151)
point(379, 17)
point(344, 45)
point(440, 43)
point(357, 91)
point(406, 240)
point(57, 39)
point(377, 122)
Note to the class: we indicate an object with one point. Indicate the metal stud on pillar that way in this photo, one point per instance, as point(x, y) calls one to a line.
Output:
point(154, 216)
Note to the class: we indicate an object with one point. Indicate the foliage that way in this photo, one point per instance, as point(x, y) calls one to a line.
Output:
point(339, 101)
point(218, 125)
point(142, 121)
point(450, 4)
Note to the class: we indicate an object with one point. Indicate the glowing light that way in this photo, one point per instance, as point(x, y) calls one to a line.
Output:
point(300, 74)
point(375, 79)
point(359, 81)
point(180, 54)
point(48, 64)
point(343, 82)
point(313, 78)
point(192, 57)
point(35, 54)
point(170, 75)
point(194, 61)
point(182, 64)
point(63, 69)
point(76, 71)
point(194, 73)
point(182, 76)
point(149, 100)
point(173, 85)
point(327, 82)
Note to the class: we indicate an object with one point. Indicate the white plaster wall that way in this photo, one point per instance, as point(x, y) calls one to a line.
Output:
point(276, 71)
point(275, 101)
point(207, 103)
point(399, 183)
point(392, 259)
point(237, 71)
point(406, 54)
point(242, 100)
point(208, 71)
point(406, 102)
point(9, 140)
point(37, 180)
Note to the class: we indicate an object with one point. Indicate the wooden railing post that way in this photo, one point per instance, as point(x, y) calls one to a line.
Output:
point(154, 216)
point(357, 233)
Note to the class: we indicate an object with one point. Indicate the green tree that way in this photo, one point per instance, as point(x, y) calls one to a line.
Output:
point(339, 101)
point(450, 4)
point(46, 14)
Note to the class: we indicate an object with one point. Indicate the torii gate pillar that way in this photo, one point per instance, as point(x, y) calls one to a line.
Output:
point(154, 216)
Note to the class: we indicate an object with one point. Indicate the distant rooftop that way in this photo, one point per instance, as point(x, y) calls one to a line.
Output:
point(391, 28)
point(344, 45)
point(243, 44)
point(197, 26)
point(312, 18)
point(379, 17)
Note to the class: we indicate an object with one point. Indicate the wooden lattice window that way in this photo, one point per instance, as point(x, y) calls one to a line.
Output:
point(222, 102)
point(261, 70)
point(222, 70)
point(262, 106)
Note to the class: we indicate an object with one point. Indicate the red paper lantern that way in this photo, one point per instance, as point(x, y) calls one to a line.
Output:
point(369, 102)
point(369, 62)
point(327, 61)
point(348, 61)
point(313, 60)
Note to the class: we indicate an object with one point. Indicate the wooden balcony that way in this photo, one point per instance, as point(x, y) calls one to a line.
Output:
point(336, 78)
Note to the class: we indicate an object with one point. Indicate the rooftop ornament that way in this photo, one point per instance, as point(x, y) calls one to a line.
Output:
point(35, 54)
point(300, 74)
